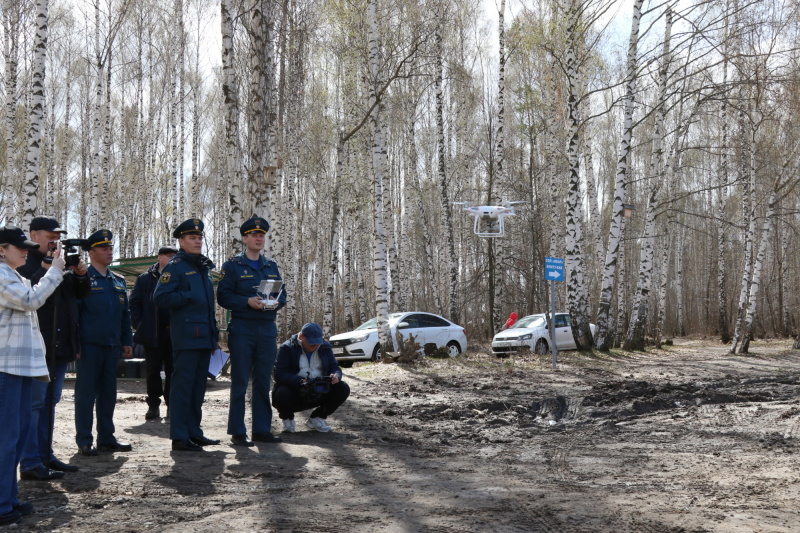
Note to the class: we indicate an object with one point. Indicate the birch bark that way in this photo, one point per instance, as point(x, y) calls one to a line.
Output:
point(576, 285)
point(36, 118)
point(230, 92)
point(758, 267)
point(603, 338)
point(447, 214)
point(635, 336)
point(378, 155)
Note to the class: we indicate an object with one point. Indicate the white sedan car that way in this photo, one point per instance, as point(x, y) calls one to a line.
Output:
point(531, 333)
point(362, 343)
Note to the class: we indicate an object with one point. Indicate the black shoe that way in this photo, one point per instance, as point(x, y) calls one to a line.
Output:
point(152, 413)
point(115, 446)
point(55, 464)
point(266, 437)
point(242, 440)
point(11, 517)
point(87, 449)
point(41, 473)
point(24, 508)
point(185, 446)
point(203, 441)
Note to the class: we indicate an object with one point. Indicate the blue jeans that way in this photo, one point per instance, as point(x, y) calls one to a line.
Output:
point(253, 350)
point(36, 451)
point(96, 383)
point(187, 392)
point(15, 405)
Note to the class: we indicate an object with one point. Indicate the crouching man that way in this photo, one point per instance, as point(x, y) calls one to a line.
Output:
point(307, 375)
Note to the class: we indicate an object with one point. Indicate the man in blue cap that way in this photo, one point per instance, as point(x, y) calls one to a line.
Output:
point(302, 360)
point(105, 329)
point(252, 332)
point(185, 289)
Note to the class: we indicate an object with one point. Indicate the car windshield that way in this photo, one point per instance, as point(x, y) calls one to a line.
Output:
point(373, 322)
point(534, 321)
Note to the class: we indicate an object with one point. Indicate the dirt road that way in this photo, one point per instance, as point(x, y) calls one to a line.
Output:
point(688, 439)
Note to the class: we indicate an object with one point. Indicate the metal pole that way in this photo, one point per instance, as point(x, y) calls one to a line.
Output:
point(553, 347)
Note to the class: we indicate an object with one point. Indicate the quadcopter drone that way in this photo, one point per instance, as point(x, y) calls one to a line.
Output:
point(489, 218)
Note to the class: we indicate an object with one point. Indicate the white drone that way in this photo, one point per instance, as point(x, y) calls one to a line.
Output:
point(489, 218)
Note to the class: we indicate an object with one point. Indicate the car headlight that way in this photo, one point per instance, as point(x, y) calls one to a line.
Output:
point(526, 337)
point(360, 338)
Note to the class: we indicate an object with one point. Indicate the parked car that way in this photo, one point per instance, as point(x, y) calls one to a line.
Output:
point(531, 333)
point(362, 343)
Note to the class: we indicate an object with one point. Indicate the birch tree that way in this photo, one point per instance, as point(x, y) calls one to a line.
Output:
point(36, 118)
point(603, 337)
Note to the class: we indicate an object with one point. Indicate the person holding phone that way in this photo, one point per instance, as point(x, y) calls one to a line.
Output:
point(58, 320)
point(252, 334)
point(22, 358)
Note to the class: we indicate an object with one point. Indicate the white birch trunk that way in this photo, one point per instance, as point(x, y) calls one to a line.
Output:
point(11, 52)
point(641, 304)
point(758, 267)
point(447, 214)
point(576, 285)
point(36, 118)
point(378, 155)
point(230, 92)
point(603, 339)
point(748, 211)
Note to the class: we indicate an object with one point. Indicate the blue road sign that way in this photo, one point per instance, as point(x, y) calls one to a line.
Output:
point(553, 269)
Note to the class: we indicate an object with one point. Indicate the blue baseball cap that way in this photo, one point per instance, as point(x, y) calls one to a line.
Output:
point(312, 333)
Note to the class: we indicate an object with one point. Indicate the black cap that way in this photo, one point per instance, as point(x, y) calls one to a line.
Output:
point(47, 224)
point(101, 237)
point(254, 225)
point(14, 235)
point(193, 226)
point(166, 250)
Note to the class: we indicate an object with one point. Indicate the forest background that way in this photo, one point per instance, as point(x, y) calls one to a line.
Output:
point(353, 126)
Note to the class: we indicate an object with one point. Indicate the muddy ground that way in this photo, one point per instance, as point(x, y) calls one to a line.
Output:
point(688, 439)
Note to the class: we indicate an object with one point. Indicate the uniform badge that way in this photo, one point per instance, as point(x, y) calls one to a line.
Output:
point(121, 298)
point(165, 277)
point(221, 274)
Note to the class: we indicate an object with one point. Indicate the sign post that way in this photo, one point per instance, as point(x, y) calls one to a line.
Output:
point(553, 271)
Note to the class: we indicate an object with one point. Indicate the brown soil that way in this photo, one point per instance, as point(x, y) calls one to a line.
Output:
point(688, 439)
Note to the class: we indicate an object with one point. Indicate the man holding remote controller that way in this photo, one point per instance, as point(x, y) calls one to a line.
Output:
point(252, 333)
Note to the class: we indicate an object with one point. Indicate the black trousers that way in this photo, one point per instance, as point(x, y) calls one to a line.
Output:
point(155, 358)
point(287, 401)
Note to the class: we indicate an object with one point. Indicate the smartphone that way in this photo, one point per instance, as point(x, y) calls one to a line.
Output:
point(52, 246)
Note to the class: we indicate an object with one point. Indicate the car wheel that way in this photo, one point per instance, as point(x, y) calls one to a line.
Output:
point(541, 347)
point(376, 353)
point(346, 364)
point(453, 349)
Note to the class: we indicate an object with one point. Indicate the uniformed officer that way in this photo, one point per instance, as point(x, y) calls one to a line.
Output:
point(251, 333)
point(105, 331)
point(185, 289)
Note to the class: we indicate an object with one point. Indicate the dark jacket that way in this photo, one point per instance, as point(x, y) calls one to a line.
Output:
point(150, 322)
point(287, 363)
point(185, 289)
point(105, 317)
point(238, 283)
point(61, 307)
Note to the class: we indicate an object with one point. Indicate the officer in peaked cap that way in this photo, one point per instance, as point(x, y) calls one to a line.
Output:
point(185, 289)
point(105, 331)
point(193, 226)
point(252, 332)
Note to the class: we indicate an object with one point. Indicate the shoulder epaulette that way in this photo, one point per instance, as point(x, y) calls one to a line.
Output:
point(120, 276)
point(175, 260)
